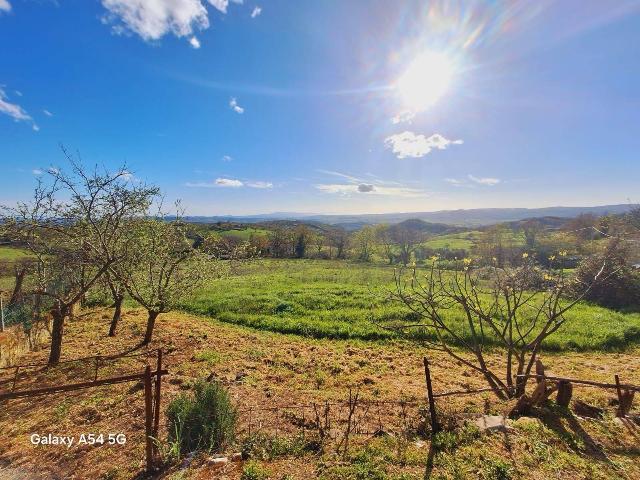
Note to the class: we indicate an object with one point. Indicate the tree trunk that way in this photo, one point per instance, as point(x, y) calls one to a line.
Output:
point(56, 335)
point(117, 315)
point(151, 321)
point(17, 289)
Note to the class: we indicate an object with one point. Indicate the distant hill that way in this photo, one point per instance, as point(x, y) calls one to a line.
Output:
point(466, 218)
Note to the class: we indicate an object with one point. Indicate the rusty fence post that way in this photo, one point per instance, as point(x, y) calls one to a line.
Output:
point(148, 418)
point(432, 404)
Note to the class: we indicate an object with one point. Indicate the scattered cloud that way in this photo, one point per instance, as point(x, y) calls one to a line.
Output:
point(409, 144)
point(37, 171)
point(220, 5)
point(18, 93)
point(256, 11)
point(456, 182)
point(402, 117)
point(471, 181)
point(227, 158)
point(366, 187)
point(233, 103)
point(357, 186)
point(153, 19)
point(5, 6)
point(15, 111)
point(47, 113)
point(489, 181)
point(228, 182)
point(225, 182)
point(259, 184)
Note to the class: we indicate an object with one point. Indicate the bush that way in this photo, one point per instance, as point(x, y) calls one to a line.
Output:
point(254, 471)
point(618, 285)
point(205, 420)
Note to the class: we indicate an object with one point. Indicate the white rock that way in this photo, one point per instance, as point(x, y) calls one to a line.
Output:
point(492, 423)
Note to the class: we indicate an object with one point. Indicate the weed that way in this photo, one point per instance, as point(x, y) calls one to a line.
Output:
point(204, 421)
point(254, 471)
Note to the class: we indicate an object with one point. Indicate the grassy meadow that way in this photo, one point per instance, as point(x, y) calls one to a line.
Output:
point(339, 299)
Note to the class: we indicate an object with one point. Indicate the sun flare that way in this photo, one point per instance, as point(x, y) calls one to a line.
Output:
point(425, 80)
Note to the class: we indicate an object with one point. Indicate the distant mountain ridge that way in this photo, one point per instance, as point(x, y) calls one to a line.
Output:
point(475, 217)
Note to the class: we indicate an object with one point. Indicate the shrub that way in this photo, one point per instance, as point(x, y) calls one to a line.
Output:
point(205, 420)
point(254, 471)
point(619, 284)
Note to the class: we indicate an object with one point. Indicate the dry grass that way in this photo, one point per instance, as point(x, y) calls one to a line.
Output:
point(262, 368)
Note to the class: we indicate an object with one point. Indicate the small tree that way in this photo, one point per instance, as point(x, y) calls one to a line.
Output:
point(516, 309)
point(164, 269)
point(363, 243)
point(385, 241)
point(74, 229)
point(406, 239)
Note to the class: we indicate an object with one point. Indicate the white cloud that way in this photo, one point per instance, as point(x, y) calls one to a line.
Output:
point(233, 103)
point(455, 182)
point(15, 111)
point(153, 19)
point(220, 5)
point(5, 6)
point(227, 158)
point(18, 93)
point(223, 182)
point(356, 186)
point(259, 184)
point(408, 144)
point(471, 181)
point(37, 171)
point(256, 11)
point(228, 182)
point(47, 113)
point(405, 116)
point(489, 181)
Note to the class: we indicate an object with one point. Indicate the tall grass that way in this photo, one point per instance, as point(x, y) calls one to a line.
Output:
point(344, 300)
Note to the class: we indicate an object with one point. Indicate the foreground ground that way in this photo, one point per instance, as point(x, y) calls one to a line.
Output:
point(263, 369)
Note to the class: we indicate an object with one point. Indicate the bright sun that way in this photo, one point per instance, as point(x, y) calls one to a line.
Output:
point(425, 81)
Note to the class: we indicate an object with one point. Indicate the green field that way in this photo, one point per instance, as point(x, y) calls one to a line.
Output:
point(336, 299)
point(467, 240)
point(244, 234)
point(10, 254)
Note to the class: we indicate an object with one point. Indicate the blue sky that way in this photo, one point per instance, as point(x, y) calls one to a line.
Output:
point(328, 106)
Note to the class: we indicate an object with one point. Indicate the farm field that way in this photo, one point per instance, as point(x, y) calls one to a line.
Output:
point(338, 299)
point(264, 369)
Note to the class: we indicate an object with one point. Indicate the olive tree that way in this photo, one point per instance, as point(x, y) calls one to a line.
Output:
point(74, 228)
point(468, 310)
point(164, 267)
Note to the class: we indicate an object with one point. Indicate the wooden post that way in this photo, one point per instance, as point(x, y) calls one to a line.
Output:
point(565, 392)
point(625, 399)
point(1, 314)
point(432, 405)
point(148, 418)
point(539, 370)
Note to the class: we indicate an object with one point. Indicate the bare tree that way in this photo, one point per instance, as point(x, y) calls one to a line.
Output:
point(165, 268)
point(74, 229)
point(406, 239)
point(516, 310)
point(385, 241)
